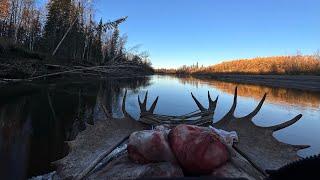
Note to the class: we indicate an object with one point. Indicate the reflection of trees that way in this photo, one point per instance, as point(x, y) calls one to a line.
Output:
point(33, 129)
point(276, 95)
point(14, 144)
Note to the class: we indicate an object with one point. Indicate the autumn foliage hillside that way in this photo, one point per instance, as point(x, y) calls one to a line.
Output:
point(261, 65)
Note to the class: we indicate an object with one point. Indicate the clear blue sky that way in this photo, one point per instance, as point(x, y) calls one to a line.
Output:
point(177, 32)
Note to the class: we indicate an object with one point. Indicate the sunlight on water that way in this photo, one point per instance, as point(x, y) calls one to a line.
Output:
point(33, 127)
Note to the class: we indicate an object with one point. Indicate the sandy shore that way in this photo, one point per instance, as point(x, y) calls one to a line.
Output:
point(301, 82)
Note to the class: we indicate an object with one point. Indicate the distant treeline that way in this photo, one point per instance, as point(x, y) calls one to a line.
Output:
point(27, 28)
point(297, 65)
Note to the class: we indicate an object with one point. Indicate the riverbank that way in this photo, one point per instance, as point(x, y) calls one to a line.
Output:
point(17, 70)
point(300, 82)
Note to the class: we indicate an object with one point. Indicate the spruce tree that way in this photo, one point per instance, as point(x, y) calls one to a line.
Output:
point(114, 43)
point(58, 21)
point(97, 43)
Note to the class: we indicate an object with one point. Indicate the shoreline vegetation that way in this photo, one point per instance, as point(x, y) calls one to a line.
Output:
point(276, 65)
point(296, 72)
point(64, 40)
point(284, 96)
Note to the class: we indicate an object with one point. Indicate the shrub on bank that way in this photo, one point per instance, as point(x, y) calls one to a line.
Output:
point(23, 53)
point(11, 50)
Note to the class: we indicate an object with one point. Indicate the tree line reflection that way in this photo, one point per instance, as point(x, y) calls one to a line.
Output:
point(33, 128)
point(275, 95)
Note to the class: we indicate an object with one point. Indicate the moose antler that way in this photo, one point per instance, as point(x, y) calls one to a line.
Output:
point(203, 116)
point(257, 143)
point(124, 111)
point(94, 143)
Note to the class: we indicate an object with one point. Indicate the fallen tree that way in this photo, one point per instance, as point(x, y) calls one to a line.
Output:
point(33, 70)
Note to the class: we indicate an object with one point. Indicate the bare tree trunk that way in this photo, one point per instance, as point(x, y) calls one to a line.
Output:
point(65, 35)
point(18, 20)
point(84, 49)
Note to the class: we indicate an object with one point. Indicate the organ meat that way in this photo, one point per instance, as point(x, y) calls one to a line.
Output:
point(150, 146)
point(197, 149)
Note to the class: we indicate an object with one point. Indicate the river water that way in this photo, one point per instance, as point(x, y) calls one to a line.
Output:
point(34, 125)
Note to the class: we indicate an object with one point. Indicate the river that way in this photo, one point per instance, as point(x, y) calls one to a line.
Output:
point(34, 126)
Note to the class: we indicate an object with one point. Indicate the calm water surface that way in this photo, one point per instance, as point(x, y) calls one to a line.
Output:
point(34, 126)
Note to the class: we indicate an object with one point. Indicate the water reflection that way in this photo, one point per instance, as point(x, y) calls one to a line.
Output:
point(281, 105)
point(33, 127)
point(15, 135)
point(275, 95)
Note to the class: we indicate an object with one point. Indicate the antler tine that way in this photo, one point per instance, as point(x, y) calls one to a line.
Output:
point(124, 111)
point(216, 99)
point(145, 99)
point(230, 114)
point(234, 105)
point(257, 109)
point(124, 102)
point(139, 100)
point(285, 124)
point(143, 108)
point(300, 147)
point(209, 97)
point(212, 104)
point(198, 103)
point(153, 106)
point(143, 105)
